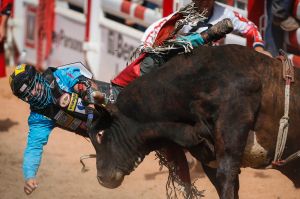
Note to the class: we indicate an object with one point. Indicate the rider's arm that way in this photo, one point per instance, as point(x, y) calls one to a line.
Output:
point(39, 129)
point(248, 30)
point(79, 84)
point(73, 79)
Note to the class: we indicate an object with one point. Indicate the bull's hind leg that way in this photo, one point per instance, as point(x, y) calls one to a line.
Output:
point(232, 127)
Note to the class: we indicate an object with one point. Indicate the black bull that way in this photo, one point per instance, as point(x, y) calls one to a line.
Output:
point(224, 91)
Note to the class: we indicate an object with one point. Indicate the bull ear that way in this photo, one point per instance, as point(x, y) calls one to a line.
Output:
point(112, 109)
point(104, 118)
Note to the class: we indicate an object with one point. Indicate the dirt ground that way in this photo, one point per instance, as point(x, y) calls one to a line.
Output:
point(59, 175)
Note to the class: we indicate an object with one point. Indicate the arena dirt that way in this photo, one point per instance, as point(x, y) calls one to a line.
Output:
point(60, 177)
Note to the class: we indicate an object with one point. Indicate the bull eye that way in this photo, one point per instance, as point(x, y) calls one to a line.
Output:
point(99, 136)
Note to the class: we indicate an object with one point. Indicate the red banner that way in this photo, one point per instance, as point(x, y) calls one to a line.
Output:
point(45, 26)
point(167, 7)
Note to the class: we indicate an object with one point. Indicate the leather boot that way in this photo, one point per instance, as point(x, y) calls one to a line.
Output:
point(217, 31)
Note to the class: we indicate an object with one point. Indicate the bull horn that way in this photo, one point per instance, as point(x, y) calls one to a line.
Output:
point(83, 157)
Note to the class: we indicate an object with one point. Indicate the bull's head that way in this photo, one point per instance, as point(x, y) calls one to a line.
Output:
point(119, 149)
point(124, 143)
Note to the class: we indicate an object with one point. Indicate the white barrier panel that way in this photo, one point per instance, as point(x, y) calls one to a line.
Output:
point(137, 13)
point(244, 13)
point(117, 43)
point(18, 21)
point(68, 37)
point(30, 30)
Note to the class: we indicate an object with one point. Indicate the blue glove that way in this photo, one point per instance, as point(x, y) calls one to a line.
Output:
point(195, 39)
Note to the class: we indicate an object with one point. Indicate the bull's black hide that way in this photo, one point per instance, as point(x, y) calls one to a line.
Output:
point(220, 91)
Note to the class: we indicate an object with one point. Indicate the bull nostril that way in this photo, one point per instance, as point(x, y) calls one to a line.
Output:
point(100, 179)
point(105, 179)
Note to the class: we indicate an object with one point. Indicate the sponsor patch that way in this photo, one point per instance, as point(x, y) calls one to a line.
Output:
point(73, 102)
point(20, 69)
point(64, 100)
point(58, 115)
point(52, 84)
point(74, 124)
point(83, 125)
point(63, 118)
point(23, 87)
point(79, 106)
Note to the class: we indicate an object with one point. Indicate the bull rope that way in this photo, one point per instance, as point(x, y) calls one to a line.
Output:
point(175, 187)
point(288, 75)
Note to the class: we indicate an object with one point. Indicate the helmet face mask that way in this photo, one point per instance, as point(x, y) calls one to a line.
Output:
point(31, 87)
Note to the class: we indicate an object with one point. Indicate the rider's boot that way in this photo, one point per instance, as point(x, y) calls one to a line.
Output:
point(217, 31)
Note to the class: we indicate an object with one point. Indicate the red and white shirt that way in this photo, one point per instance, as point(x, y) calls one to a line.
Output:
point(241, 26)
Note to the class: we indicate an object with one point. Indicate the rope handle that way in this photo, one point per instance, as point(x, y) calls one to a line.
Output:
point(288, 68)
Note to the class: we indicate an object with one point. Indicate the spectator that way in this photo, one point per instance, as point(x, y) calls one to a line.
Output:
point(282, 10)
point(280, 20)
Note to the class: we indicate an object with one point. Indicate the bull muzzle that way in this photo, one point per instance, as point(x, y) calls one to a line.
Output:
point(111, 181)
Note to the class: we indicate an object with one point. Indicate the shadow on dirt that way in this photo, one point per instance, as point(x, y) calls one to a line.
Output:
point(196, 172)
point(6, 124)
point(151, 176)
point(261, 175)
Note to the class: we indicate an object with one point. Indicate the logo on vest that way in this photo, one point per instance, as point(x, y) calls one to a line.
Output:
point(73, 102)
point(52, 84)
point(83, 126)
point(63, 119)
point(74, 124)
point(79, 107)
point(64, 100)
point(20, 69)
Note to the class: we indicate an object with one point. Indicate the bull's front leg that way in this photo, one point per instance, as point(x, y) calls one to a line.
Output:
point(232, 127)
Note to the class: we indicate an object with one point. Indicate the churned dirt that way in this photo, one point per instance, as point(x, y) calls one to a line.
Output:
point(59, 175)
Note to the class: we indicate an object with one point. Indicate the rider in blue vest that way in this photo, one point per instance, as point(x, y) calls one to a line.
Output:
point(56, 100)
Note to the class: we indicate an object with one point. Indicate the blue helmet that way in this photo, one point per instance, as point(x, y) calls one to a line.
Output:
point(30, 86)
